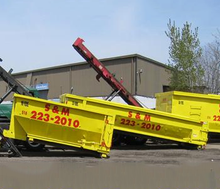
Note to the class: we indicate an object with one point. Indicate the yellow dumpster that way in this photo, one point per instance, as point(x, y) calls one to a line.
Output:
point(199, 106)
point(146, 122)
point(46, 121)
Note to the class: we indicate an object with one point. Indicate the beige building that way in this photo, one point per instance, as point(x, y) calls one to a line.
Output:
point(141, 76)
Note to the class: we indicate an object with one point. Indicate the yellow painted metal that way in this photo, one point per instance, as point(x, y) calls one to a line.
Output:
point(146, 122)
point(48, 121)
point(204, 107)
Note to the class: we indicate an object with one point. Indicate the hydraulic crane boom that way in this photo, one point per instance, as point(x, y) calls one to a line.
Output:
point(15, 86)
point(104, 73)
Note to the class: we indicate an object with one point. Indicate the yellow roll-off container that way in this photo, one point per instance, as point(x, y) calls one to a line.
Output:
point(146, 122)
point(47, 121)
point(204, 107)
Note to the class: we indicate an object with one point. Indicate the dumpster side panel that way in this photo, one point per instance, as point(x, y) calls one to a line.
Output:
point(15, 132)
point(198, 106)
point(58, 123)
point(164, 102)
point(146, 122)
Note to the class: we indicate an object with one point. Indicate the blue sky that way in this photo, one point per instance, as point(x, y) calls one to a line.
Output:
point(40, 33)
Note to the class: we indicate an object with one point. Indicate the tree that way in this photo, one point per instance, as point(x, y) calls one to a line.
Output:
point(185, 53)
point(211, 64)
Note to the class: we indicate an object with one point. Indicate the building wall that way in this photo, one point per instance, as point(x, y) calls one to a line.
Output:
point(151, 78)
point(82, 78)
point(58, 80)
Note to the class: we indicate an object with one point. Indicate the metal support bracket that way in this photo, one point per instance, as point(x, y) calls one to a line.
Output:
point(6, 94)
point(10, 145)
point(112, 95)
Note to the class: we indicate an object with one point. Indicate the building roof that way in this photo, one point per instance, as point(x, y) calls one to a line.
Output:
point(101, 60)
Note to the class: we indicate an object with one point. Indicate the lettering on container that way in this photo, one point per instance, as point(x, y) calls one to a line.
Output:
point(62, 117)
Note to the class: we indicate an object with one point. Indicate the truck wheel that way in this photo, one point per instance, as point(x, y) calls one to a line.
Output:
point(131, 140)
point(33, 146)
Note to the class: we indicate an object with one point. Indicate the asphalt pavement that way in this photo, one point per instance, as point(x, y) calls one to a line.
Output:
point(129, 167)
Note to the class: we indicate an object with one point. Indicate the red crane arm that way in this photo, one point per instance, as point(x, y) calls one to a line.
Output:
point(104, 73)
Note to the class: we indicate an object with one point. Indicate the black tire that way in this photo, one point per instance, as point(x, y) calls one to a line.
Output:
point(33, 146)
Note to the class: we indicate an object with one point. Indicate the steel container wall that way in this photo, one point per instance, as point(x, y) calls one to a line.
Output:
point(47, 121)
point(204, 107)
point(146, 122)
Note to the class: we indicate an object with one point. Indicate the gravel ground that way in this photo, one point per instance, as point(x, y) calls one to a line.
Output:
point(150, 166)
